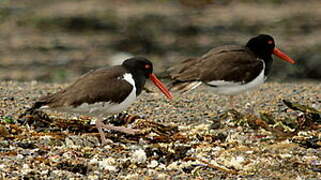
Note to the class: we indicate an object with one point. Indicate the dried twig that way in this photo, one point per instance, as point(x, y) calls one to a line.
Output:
point(229, 171)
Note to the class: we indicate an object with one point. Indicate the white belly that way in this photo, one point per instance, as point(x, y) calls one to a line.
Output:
point(100, 109)
point(233, 88)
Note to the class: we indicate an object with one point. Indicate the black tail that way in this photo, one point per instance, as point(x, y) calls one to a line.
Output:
point(33, 109)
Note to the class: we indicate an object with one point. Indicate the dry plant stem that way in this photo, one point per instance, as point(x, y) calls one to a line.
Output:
point(229, 171)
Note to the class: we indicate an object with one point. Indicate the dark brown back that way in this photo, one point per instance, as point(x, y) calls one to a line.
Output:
point(102, 85)
point(229, 63)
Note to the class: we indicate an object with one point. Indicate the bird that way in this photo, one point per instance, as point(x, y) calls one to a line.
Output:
point(104, 91)
point(230, 69)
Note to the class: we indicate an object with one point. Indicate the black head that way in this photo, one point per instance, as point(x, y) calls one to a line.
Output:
point(261, 45)
point(138, 65)
point(142, 68)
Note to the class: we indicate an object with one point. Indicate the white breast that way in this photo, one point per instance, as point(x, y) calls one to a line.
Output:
point(232, 88)
point(101, 109)
point(115, 108)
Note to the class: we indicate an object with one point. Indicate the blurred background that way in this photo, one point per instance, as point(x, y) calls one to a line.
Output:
point(56, 41)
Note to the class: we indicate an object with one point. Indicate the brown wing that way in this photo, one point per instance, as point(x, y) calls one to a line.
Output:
point(229, 63)
point(102, 85)
point(185, 70)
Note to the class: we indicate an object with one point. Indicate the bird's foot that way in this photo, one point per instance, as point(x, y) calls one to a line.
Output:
point(101, 126)
point(121, 129)
point(105, 141)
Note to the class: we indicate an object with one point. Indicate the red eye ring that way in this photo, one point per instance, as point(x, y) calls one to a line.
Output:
point(147, 66)
point(270, 42)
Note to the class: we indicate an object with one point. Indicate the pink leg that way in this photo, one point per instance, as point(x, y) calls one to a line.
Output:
point(231, 101)
point(100, 126)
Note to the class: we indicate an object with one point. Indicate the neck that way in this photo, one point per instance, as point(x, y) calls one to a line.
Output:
point(267, 58)
point(268, 64)
point(140, 80)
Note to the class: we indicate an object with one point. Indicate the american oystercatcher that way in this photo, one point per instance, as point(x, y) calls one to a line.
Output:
point(229, 70)
point(104, 91)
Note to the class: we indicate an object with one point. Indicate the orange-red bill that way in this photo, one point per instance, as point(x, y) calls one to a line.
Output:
point(160, 86)
point(282, 55)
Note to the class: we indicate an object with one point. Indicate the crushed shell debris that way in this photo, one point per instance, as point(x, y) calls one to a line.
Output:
point(270, 132)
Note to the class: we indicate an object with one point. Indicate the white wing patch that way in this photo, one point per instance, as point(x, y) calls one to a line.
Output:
point(194, 85)
point(223, 83)
point(232, 88)
point(101, 109)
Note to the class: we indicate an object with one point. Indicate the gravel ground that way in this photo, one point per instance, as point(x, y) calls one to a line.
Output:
point(195, 136)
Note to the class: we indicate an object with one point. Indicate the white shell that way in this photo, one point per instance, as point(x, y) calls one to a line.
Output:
point(139, 156)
